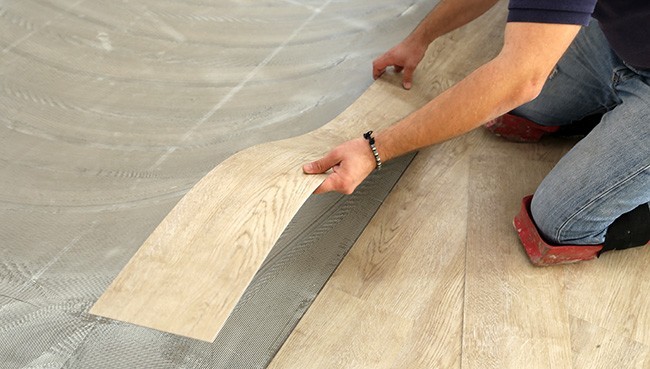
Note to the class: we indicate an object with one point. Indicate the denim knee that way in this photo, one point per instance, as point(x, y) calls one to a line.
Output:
point(561, 222)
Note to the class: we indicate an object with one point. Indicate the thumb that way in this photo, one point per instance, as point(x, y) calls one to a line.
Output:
point(321, 165)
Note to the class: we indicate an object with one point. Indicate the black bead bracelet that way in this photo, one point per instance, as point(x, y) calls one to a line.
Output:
point(371, 141)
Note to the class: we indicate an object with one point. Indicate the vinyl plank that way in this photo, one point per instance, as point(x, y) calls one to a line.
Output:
point(515, 315)
point(597, 348)
point(613, 292)
point(428, 278)
point(356, 335)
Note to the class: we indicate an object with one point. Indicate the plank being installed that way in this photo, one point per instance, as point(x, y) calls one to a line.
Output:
point(189, 274)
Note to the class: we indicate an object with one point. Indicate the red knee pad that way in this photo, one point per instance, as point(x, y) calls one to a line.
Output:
point(514, 128)
point(539, 251)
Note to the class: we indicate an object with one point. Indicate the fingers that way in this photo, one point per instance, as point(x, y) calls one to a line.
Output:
point(379, 66)
point(407, 80)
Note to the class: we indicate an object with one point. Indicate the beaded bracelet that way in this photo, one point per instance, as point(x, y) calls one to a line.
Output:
point(371, 141)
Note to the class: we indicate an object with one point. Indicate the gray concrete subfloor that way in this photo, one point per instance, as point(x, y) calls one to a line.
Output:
point(111, 111)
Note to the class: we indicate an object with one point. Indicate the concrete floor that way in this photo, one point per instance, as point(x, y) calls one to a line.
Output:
point(110, 112)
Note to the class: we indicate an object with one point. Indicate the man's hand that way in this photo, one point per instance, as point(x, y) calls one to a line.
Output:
point(445, 17)
point(405, 57)
point(351, 162)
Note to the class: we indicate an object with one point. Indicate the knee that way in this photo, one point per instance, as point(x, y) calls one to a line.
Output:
point(561, 220)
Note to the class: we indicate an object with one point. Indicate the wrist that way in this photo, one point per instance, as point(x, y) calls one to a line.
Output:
point(416, 41)
point(373, 148)
point(421, 37)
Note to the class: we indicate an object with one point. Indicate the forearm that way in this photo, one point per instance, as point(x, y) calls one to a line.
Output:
point(513, 78)
point(447, 16)
point(481, 96)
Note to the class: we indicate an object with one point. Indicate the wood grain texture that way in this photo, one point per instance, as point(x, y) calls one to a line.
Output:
point(614, 293)
point(191, 271)
point(515, 315)
point(597, 348)
point(608, 301)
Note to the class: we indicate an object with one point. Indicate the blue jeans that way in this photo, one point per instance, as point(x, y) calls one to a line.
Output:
point(607, 173)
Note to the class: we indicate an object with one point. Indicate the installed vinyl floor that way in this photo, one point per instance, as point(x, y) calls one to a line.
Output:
point(109, 114)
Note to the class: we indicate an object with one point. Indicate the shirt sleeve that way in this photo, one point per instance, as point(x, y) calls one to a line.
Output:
point(551, 11)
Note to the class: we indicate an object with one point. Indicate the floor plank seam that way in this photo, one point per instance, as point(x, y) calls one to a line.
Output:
point(464, 300)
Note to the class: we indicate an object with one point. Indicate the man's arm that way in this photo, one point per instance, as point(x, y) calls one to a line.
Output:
point(514, 77)
point(445, 17)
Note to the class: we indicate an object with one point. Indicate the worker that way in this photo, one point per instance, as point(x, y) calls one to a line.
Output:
point(561, 61)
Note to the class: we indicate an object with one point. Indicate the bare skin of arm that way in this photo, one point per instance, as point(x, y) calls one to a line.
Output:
point(445, 17)
point(512, 78)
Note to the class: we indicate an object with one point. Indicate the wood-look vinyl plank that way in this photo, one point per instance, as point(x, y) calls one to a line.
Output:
point(346, 336)
point(515, 316)
point(597, 348)
point(429, 275)
point(613, 292)
point(221, 231)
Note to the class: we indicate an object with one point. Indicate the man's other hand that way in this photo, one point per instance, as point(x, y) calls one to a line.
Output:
point(404, 57)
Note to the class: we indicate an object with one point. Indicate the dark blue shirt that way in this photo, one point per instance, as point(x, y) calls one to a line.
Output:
point(625, 23)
